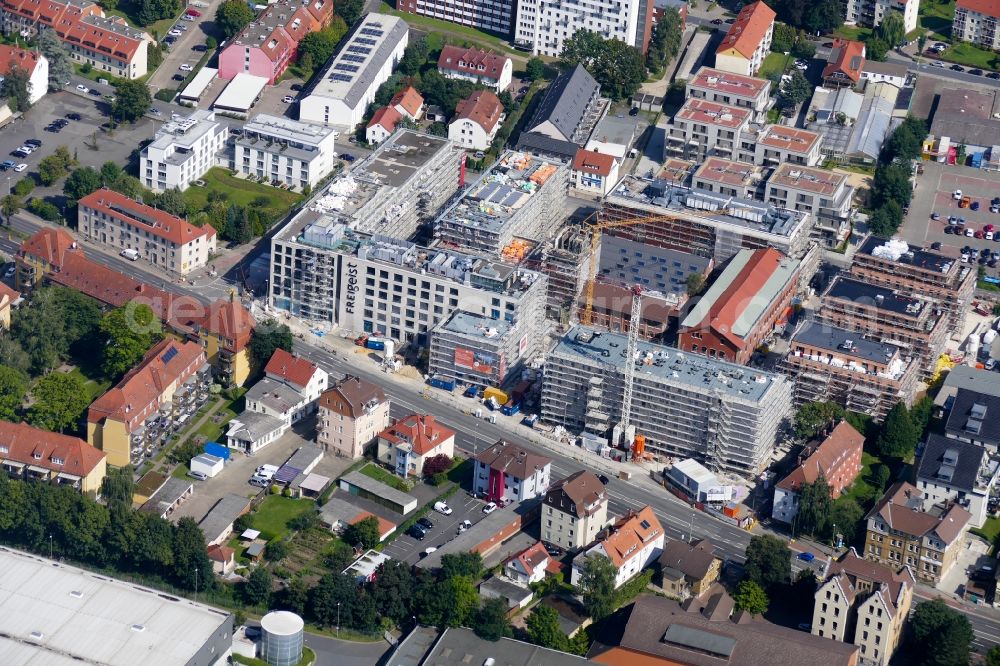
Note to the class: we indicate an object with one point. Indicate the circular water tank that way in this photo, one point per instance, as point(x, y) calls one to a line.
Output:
point(281, 634)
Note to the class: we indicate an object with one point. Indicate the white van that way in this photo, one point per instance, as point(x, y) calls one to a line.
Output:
point(131, 255)
point(266, 471)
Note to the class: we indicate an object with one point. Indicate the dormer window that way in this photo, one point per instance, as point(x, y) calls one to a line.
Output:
point(4, 448)
point(36, 455)
point(57, 461)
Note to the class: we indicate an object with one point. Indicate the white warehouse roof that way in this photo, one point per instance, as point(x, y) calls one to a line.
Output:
point(195, 89)
point(241, 93)
point(54, 614)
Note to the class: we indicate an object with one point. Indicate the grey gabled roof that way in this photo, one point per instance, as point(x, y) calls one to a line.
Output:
point(950, 462)
point(566, 101)
point(541, 144)
point(975, 416)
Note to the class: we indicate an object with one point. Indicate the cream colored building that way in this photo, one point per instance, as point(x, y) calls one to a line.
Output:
point(865, 604)
point(352, 413)
point(413, 440)
point(138, 231)
point(574, 510)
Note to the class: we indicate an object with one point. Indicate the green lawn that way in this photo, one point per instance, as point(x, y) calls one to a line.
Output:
point(379, 474)
point(275, 512)
point(215, 427)
point(477, 37)
point(239, 191)
point(308, 657)
point(972, 56)
point(774, 62)
point(94, 387)
point(853, 32)
point(937, 16)
point(861, 491)
point(989, 531)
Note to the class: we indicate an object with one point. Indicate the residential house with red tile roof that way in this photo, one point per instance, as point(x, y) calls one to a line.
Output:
point(409, 443)
point(299, 373)
point(506, 472)
point(352, 413)
point(748, 41)
point(477, 120)
point(593, 172)
point(845, 64)
point(632, 544)
point(978, 22)
point(836, 458)
point(8, 298)
point(529, 565)
point(742, 307)
point(32, 453)
point(136, 230)
point(269, 44)
point(864, 603)
point(33, 62)
point(172, 380)
point(482, 67)
point(42, 253)
point(382, 124)
point(408, 102)
point(108, 45)
point(900, 532)
point(223, 559)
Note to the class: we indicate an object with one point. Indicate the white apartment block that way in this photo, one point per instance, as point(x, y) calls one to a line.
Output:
point(703, 129)
point(824, 194)
point(574, 510)
point(731, 89)
point(477, 121)
point(977, 21)
point(776, 144)
point(285, 151)
point(121, 224)
point(734, 179)
point(32, 62)
point(340, 94)
point(869, 13)
point(951, 470)
point(545, 25)
point(182, 151)
point(509, 473)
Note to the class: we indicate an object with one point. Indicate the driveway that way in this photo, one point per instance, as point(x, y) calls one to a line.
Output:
point(181, 51)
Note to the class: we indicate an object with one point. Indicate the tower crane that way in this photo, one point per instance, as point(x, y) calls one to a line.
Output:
point(630, 354)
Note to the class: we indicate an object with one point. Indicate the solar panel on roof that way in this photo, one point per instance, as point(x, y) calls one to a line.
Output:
point(353, 48)
point(353, 58)
point(365, 40)
point(170, 353)
point(373, 32)
point(345, 67)
point(342, 77)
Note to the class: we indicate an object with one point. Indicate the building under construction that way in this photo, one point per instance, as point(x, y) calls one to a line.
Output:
point(521, 197)
point(685, 405)
point(563, 260)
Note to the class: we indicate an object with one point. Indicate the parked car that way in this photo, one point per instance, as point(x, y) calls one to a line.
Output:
point(199, 476)
point(442, 508)
point(417, 532)
point(553, 551)
point(464, 525)
point(935, 217)
point(957, 68)
point(427, 551)
point(976, 72)
point(974, 205)
point(806, 557)
point(35, 143)
point(174, 32)
point(993, 75)
point(716, 21)
point(82, 88)
point(9, 273)
point(489, 508)
point(20, 167)
point(936, 246)
point(347, 157)
point(426, 523)
point(186, 68)
point(287, 99)
point(95, 92)
point(938, 63)
point(7, 165)
point(178, 77)
point(956, 195)
point(74, 116)
point(603, 479)
point(634, 111)
point(193, 12)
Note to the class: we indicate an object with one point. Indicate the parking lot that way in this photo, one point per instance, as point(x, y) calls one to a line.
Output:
point(180, 50)
point(934, 194)
point(464, 507)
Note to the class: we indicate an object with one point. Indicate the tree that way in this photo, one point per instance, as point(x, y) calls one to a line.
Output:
point(319, 46)
point(618, 67)
point(238, 226)
point(118, 486)
point(8, 206)
point(469, 565)
point(414, 57)
point(898, 438)
point(815, 502)
point(150, 11)
point(51, 169)
point(128, 332)
point(364, 533)
point(132, 101)
point(751, 598)
point(543, 628)
point(940, 635)
point(60, 67)
point(769, 561)
point(891, 183)
point(60, 400)
point(880, 477)
point(295, 597)
point(80, 183)
point(886, 219)
point(812, 417)
point(845, 518)
point(876, 48)
point(490, 622)
point(277, 550)
point(393, 590)
point(993, 656)
point(257, 589)
point(823, 17)
point(784, 38)
point(891, 30)
point(172, 201)
point(232, 16)
point(16, 88)
point(435, 464)
point(192, 570)
point(795, 90)
point(598, 583)
point(350, 10)
point(695, 284)
point(665, 41)
point(267, 338)
point(461, 600)
point(13, 388)
point(804, 48)
point(535, 69)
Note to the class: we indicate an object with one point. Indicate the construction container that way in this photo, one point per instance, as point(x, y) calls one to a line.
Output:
point(440, 382)
point(732, 510)
point(375, 343)
point(499, 396)
point(473, 391)
point(530, 420)
point(510, 408)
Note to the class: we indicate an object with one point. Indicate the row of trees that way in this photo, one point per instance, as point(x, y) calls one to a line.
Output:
point(618, 67)
point(665, 42)
point(813, 17)
point(891, 190)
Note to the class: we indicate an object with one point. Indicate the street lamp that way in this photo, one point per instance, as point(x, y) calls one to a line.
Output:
point(338, 619)
point(196, 583)
point(50, 546)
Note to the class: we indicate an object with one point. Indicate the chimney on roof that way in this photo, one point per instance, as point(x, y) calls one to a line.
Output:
point(429, 425)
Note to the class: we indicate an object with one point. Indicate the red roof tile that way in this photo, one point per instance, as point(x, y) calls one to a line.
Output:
point(986, 7)
point(156, 222)
point(473, 62)
point(292, 369)
point(749, 29)
point(33, 446)
point(423, 433)
point(409, 99)
point(823, 461)
point(630, 534)
point(482, 107)
point(10, 56)
point(589, 161)
point(846, 58)
point(532, 557)
point(387, 117)
point(50, 245)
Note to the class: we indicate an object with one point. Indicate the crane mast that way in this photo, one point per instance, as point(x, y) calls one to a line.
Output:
point(633, 349)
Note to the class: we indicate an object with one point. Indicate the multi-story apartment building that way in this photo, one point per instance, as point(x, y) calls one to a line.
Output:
point(489, 15)
point(477, 350)
point(825, 195)
point(109, 45)
point(285, 151)
point(748, 41)
point(977, 21)
point(476, 121)
point(777, 144)
point(742, 307)
point(182, 151)
point(566, 116)
point(413, 440)
point(731, 89)
point(135, 229)
point(340, 95)
point(31, 453)
point(900, 532)
point(702, 128)
point(545, 25)
point(574, 511)
point(269, 43)
point(520, 196)
point(893, 264)
point(966, 398)
point(704, 223)
point(734, 179)
point(864, 604)
point(352, 413)
point(951, 470)
point(837, 458)
point(685, 404)
point(470, 64)
point(689, 569)
point(631, 544)
point(506, 472)
point(831, 364)
point(171, 380)
point(886, 316)
point(33, 63)
point(869, 13)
